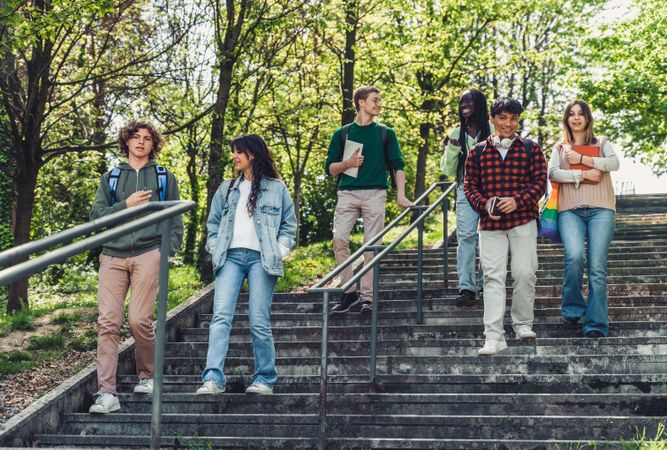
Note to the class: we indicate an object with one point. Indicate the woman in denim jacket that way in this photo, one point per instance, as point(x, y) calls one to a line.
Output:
point(251, 228)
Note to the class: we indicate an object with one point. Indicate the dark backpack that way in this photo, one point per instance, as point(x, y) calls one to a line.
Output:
point(385, 149)
point(160, 173)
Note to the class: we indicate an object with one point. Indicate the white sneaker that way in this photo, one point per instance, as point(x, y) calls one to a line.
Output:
point(491, 347)
point(525, 332)
point(145, 386)
point(104, 403)
point(209, 387)
point(259, 388)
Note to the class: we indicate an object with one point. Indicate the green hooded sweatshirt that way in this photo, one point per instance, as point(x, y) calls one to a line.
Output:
point(129, 182)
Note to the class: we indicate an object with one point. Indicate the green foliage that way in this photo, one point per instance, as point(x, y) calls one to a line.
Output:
point(47, 342)
point(630, 81)
point(183, 283)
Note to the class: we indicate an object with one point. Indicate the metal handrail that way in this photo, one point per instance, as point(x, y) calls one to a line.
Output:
point(379, 253)
point(165, 211)
point(364, 248)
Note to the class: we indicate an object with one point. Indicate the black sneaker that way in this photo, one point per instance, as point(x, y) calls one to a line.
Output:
point(347, 301)
point(465, 298)
point(594, 334)
point(366, 307)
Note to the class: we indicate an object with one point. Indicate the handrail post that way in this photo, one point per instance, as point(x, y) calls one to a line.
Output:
point(323, 372)
point(445, 242)
point(374, 321)
point(420, 270)
point(158, 364)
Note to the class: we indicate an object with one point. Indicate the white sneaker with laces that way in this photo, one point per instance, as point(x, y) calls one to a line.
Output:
point(104, 403)
point(145, 386)
point(491, 347)
point(259, 388)
point(525, 332)
point(209, 387)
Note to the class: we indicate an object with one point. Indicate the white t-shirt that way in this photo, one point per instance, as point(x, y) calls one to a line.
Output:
point(244, 234)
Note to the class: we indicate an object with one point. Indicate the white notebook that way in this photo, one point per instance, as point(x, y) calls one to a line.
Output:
point(350, 148)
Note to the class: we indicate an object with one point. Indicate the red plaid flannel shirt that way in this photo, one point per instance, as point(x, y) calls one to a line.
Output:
point(516, 176)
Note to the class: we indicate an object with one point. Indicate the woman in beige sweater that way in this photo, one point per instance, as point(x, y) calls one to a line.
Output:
point(586, 211)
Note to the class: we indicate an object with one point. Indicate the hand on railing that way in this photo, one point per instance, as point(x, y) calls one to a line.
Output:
point(403, 201)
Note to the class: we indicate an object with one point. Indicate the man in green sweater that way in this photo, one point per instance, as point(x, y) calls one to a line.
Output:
point(132, 260)
point(361, 154)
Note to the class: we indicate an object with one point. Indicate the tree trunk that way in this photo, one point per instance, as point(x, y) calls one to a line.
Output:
point(347, 83)
point(297, 206)
point(193, 225)
point(422, 156)
point(18, 290)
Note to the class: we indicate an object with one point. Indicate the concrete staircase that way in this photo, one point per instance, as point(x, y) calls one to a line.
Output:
point(435, 392)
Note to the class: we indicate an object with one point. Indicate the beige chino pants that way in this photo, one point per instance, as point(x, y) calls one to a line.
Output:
point(117, 276)
point(494, 248)
point(369, 204)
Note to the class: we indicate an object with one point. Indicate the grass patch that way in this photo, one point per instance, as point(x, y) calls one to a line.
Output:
point(183, 283)
point(67, 318)
point(18, 361)
point(85, 342)
point(20, 320)
point(47, 342)
point(306, 264)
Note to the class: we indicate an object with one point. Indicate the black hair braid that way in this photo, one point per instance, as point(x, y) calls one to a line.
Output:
point(480, 119)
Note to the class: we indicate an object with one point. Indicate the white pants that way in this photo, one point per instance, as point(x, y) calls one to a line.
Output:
point(494, 247)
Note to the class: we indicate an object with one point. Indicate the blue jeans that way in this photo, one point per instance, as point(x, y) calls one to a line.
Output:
point(239, 264)
point(596, 225)
point(466, 235)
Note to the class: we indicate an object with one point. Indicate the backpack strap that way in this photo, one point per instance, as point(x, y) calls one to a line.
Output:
point(385, 149)
point(161, 174)
point(113, 183)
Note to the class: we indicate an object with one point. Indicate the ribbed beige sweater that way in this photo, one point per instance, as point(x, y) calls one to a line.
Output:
point(574, 194)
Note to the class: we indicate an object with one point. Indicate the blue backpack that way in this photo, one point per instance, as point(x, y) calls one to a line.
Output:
point(160, 173)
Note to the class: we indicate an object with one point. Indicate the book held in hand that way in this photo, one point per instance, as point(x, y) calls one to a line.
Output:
point(350, 148)
point(586, 150)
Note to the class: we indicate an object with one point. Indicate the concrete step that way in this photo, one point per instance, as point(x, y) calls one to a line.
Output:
point(436, 347)
point(405, 403)
point(312, 304)
point(361, 331)
point(446, 364)
point(387, 425)
point(574, 383)
point(438, 317)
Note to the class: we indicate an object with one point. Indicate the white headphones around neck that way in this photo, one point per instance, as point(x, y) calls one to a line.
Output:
point(502, 142)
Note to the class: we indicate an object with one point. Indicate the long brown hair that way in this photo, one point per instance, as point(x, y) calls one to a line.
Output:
point(263, 164)
point(568, 137)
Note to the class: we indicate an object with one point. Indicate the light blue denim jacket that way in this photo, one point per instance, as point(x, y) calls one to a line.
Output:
point(275, 222)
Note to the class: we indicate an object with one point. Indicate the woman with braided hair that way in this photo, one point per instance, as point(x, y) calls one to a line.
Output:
point(474, 127)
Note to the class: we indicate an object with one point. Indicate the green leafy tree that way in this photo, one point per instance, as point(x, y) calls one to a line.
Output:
point(628, 81)
point(51, 79)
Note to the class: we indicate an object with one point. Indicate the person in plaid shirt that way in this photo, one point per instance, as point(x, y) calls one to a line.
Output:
point(505, 177)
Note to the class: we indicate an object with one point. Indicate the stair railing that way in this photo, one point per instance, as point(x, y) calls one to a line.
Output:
point(160, 213)
point(379, 251)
